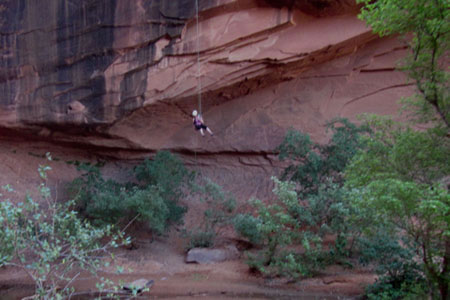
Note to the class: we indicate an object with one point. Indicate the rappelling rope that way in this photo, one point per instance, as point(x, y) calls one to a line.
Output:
point(199, 82)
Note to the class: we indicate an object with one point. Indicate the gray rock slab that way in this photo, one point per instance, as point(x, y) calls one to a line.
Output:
point(138, 285)
point(208, 256)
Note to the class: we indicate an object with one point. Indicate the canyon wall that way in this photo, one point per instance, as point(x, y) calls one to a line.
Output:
point(120, 78)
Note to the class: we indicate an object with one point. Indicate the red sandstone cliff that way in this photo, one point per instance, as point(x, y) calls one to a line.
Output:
point(122, 76)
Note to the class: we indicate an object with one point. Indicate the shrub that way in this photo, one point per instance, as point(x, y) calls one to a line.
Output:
point(386, 288)
point(312, 206)
point(200, 239)
point(249, 227)
point(167, 172)
point(217, 214)
point(296, 265)
point(290, 231)
point(154, 200)
point(400, 275)
point(313, 164)
point(51, 244)
point(275, 228)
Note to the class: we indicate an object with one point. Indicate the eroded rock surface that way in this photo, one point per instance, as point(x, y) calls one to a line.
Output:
point(122, 77)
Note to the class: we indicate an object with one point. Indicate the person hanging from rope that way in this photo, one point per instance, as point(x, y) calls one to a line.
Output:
point(198, 123)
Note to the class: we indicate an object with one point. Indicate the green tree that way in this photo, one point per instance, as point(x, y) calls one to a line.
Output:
point(428, 21)
point(399, 181)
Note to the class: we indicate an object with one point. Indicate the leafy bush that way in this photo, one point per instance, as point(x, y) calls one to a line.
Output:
point(154, 200)
point(386, 288)
point(292, 222)
point(400, 275)
point(51, 244)
point(307, 211)
point(296, 265)
point(165, 170)
point(200, 239)
point(217, 214)
point(275, 227)
point(278, 228)
point(313, 164)
point(248, 226)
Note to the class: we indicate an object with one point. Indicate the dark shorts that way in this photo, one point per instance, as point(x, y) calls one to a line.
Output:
point(201, 126)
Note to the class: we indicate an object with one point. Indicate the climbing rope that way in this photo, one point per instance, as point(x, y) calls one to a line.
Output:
point(199, 82)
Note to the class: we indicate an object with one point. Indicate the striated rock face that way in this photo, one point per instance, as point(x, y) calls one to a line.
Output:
point(123, 77)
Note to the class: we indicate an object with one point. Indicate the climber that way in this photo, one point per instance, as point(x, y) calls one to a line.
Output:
point(198, 123)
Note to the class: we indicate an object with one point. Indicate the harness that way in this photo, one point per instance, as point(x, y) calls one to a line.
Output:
point(197, 122)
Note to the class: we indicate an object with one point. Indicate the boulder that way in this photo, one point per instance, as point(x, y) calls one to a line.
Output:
point(207, 256)
point(138, 285)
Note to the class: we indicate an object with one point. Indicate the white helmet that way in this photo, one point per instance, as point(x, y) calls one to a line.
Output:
point(194, 113)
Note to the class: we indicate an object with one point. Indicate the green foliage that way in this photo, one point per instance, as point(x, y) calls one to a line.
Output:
point(314, 164)
point(395, 183)
point(200, 239)
point(153, 201)
point(50, 243)
point(383, 249)
point(170, 175)
point(398, 152)
point(272, 228)
point(218, 213)
point(248, 227)
point(429, 24)
point(400, 275)
point(404, 288)
point(303, 214)
point(397, 180)
point(293, 265)
point(393, 255)
point(289, 223)
point(220, 205)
